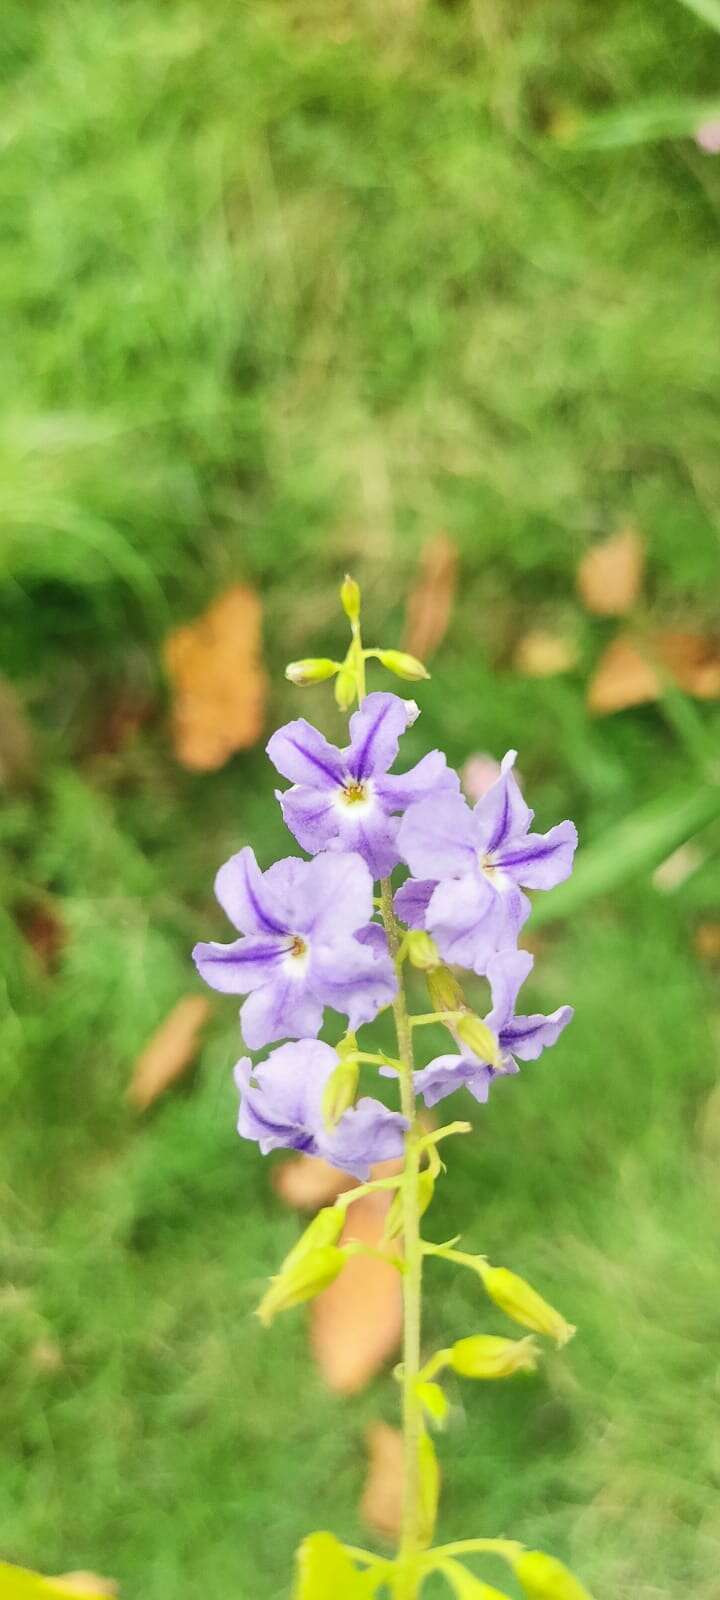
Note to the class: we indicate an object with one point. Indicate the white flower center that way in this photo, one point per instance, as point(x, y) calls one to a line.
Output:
point(355, 796)
point(487, 865)
point(297, 957)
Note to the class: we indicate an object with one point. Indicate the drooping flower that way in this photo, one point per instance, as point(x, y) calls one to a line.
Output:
point(478, 861)
point(519, 1037)
point(281, 1107)
point(298, 951)
point(347, 799)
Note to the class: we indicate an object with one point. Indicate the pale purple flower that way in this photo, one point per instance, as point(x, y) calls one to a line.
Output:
point(281, 1107)
point(346, 799)
point(523, 1037)
point(479, 861)
point(298, 952)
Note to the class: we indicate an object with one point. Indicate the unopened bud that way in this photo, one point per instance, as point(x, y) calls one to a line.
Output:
point(425, 1191)
point(485, 1356)
point(345, 689)
point(544, 1578)
point(479, 1038)
point(340, 1091)
point(422, 950)
point(432, 1398)
point(315, 669)
point(521, 1302)
point(325, 1228)
point(403, 665)
point(444, 990)
point(350, 598)
point(304, 1279)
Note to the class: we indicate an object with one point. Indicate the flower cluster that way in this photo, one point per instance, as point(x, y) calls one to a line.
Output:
point(308, 939)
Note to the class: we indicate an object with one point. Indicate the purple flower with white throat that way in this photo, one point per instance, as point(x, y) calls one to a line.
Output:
point(347, 799)
point(281, 1108)
point(470, 868)
point(519, 1037)
point(298, 951)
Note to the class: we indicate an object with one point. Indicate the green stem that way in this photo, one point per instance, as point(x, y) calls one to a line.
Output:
point(410, 1547)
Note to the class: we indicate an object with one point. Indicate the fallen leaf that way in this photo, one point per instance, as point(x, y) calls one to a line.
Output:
point(42, 927)
point(356, 1324)
point(119, 723)
point(541, 654)
point(218, 680)
point(706, 941)
point(17, 755)
point(610, 575)
point(83, 1583)
point(169, 1052)
point(307, 1182)
point(631, 672)
point(381, 1504)
point(430, 601)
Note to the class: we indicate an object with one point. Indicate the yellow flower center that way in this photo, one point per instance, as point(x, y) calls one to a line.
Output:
point(298, 948)
point(354, 793)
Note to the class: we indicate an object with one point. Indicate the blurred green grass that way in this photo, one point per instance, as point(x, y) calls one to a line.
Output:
point(287, 289)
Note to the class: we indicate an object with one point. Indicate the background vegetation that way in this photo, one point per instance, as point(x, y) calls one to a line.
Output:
point(287, 288)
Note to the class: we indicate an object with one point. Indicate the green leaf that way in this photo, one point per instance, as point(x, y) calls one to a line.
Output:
point(643, 123)
point(325, 1571)
point(465, 1585)
point(634, 846)
point(707, 10)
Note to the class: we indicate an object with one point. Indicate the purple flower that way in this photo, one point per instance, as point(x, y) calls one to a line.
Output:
point(345, 799)
point(282, 1110)
point(298, 952)
point(470, 867)
point(523, 1037)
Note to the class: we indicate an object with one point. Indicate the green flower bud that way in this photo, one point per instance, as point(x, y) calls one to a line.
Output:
point(521, 1302)
point(315, 669)
point(464, 1584)
point(324, 1568)
point(433, 1398)
point(345, 689)
point(340, 1092)
point(403, 665)
point(425, 1191)
point(478, 1037)
point(422, 950)
point(350, 598)
point(444, 990)
point(306, 1277)
point(325, 1228)
point(484, 1356)
point(544, 1578)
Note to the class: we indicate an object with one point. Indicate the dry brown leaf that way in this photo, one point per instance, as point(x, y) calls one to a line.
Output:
point(706, 941)
point(627, 673)
point(381, 1504)
point(79, 1583)
point(430, 601)
point(356, 1324)
point(541, 654)
point(169, 1052)
point(307, 1182)
point(218, 679)
point(45, 932)
point(610, 575)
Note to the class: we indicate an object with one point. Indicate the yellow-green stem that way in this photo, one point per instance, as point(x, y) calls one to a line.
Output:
point(408, 1579)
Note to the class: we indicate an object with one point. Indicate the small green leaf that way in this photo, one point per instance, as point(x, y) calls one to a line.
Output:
point(634, 846)
point(465, 1585)
point(325, 1571)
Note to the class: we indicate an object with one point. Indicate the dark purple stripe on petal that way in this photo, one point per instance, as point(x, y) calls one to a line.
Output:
point(521, 858)
point(314, 760)
point(502, 824)
point(362, 764)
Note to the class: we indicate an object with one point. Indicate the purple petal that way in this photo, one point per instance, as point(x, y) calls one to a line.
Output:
point(448, 1073)
point(437, 838)
point(283, 1009)
point(301, 754)
point(365, 1134)
point(246, 896)
point(412, 900)
point(502, 813)
point(542, 859)
point(244, 965)
point(288, 882)
point(431, 776)
point(311, 816)
point(374, 937)
point(353, 979)
point(375, 731)
point(339, 895)
point(506, 974)
point(527, 1037)
point(373, 835)
point(465, 918)
point(283, 1107)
